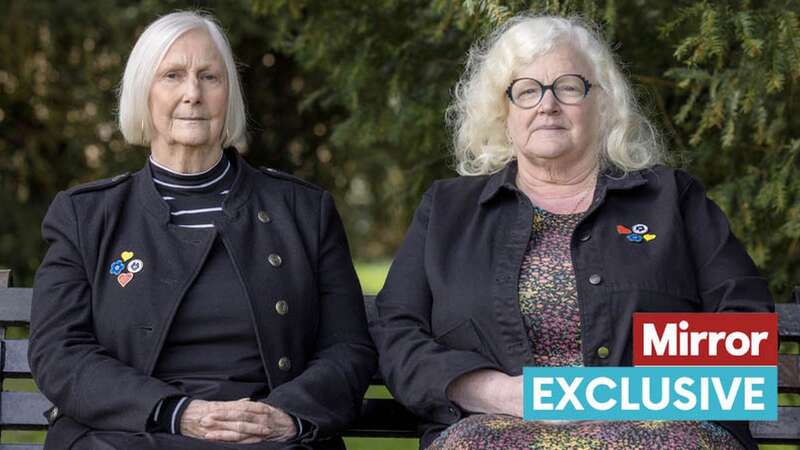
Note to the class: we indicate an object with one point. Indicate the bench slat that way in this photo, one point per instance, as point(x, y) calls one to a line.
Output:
point(16, 366)
point(15, 306)
point(384, 418)
point(789, 373)
point(788, 320)
point(23, 410)
point(21, 447)
point(786, 428)
point(15, 363)
point(15, 309)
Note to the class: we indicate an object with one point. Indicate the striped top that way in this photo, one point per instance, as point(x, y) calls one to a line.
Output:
point(194, 200)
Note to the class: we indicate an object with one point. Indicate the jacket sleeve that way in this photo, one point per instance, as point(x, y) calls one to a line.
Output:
point(417, 369)
point(727, 279)
point(70, 367)
point(329, 392)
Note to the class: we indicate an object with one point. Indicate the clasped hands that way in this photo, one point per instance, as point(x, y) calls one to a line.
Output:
point(241, 421)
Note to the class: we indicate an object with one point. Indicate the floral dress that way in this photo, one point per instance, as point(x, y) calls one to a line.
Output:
point(548, 301)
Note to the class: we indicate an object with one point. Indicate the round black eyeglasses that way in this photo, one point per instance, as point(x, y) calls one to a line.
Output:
point(569, 89)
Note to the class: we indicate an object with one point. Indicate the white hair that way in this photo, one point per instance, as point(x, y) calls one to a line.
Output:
point(150, 49)
point(478, 112)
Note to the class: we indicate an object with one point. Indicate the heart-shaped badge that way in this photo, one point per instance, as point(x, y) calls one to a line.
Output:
point(649, 237)
point(124, 278)
point(126, 255)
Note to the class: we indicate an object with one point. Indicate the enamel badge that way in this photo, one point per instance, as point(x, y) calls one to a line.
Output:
point(125, 267)
point(637, 233)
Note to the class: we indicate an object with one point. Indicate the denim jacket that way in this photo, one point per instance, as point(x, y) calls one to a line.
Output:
point(450, 304)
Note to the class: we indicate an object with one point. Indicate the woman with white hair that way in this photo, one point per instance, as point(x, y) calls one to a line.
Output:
point(198, 303)
point(561, 226)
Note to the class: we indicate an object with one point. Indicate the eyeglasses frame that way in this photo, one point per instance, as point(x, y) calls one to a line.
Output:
point(586, 85)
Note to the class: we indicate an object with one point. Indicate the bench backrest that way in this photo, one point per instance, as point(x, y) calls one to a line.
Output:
point(380, 417)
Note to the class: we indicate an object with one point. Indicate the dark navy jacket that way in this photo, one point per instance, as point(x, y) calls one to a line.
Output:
point(450, 306)
point(94, 342)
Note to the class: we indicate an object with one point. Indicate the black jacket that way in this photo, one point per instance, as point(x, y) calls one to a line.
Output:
point(94, 343)
point(450, 306)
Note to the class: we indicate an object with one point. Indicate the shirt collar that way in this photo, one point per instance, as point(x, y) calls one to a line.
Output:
point(610, 179)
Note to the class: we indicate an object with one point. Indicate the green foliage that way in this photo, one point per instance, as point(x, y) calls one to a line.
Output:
point(352, 94)
point(737, 67)
point(718, 76)
point(60, 65)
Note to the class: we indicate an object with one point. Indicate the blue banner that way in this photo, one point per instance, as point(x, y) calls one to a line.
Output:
point(651, 393)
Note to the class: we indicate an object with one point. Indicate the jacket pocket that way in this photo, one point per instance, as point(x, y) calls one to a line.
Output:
point(463, 336)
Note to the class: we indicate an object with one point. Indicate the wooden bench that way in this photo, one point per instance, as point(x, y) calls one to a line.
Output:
point(380, 417)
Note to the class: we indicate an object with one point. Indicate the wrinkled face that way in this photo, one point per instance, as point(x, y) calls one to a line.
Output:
point(552, 130)
point(189, 94)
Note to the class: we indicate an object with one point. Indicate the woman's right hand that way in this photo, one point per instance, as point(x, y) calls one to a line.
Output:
point(490, 391)
point(198, 420)
point(487, 391)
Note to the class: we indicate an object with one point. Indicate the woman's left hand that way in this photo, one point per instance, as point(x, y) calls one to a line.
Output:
point(252, 422)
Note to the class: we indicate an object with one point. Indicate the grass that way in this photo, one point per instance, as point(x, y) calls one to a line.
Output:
point(372, 275)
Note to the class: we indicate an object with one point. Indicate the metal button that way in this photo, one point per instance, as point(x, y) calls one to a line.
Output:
point(602, 352)
point(284, 363)
point(595, 279)
point(264, 217)
point(53, 414)
point(275, 259)
point(452, 410)
point(281, 307)
point(585, 237)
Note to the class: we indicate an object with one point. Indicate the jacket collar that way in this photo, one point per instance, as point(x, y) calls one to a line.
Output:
point(505, 180)
point(238, 196)
point(610, 179)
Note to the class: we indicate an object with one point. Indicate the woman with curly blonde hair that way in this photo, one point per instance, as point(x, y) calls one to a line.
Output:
point(561, 226)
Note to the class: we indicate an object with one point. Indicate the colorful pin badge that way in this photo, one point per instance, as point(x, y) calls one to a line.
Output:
point(135, 266)
point(637, 233)
point(124, 278)
point(633, 237)
point(119, 265)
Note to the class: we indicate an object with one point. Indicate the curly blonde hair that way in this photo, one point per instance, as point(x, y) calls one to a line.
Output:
point(477, 115)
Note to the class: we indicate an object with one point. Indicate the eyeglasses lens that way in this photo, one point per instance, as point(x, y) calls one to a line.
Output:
point(569, 89)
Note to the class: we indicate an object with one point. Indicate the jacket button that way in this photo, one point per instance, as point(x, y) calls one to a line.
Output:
point(281, 307)
point(602, 352)
point(53, 414)
point(264, 217)
point(284, 364)
point(595, 279)
point(452, 411)
point(275, 259)
point(585, 237)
